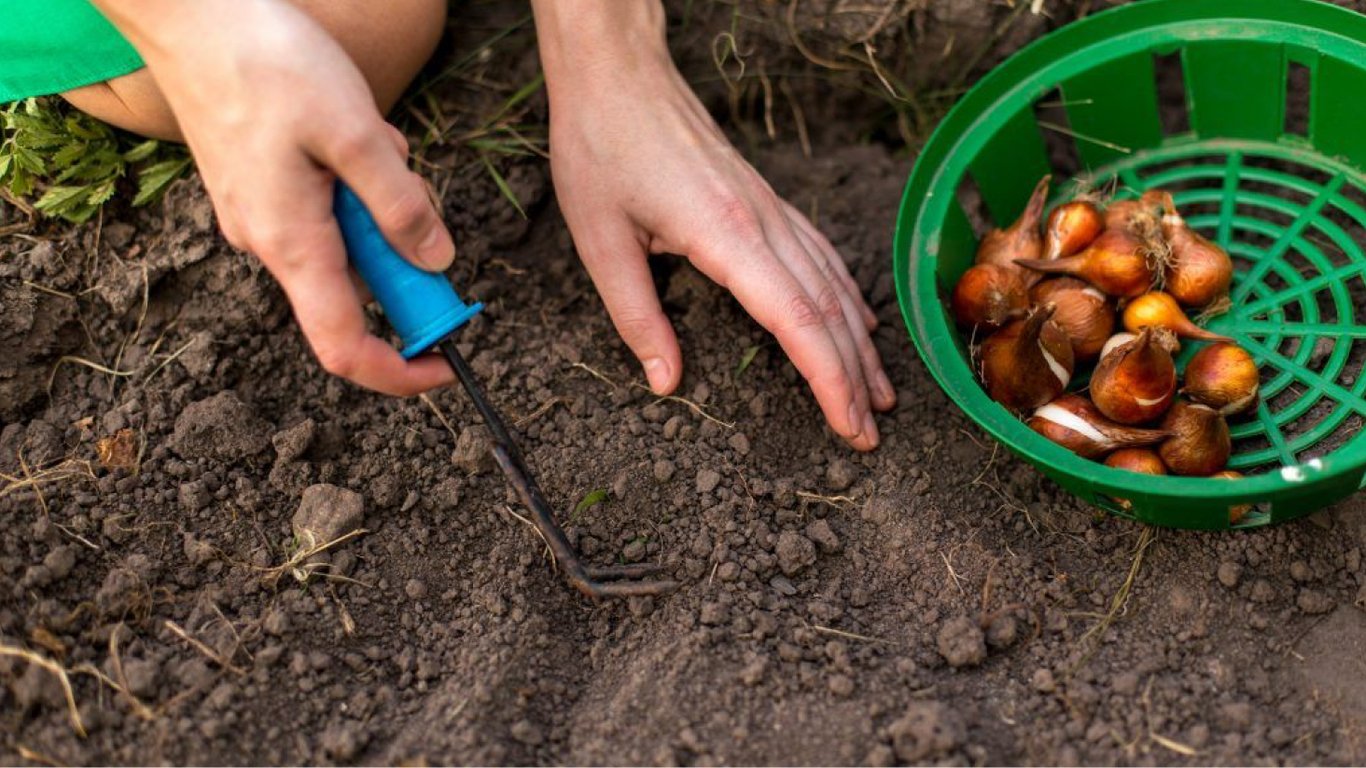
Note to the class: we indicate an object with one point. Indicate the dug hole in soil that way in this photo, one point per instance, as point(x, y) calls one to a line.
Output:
point(936, 601)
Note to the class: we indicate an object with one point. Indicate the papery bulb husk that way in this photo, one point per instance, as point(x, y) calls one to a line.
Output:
point(1200, 444)
point(1136, 383)
point(1199, 272)
point(1118, 263)
point(1027, 363)
point(988, 295)
point(1164, 338)
point(1021, 240)
point(1224, 377)
point(1073, 422)
point(1237, 512)
point(1084, 313)
point(1070, 228)
point(1144, 461)
point(1135, 215)
point(1159, 310)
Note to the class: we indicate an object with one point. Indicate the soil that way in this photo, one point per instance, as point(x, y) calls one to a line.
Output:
point(937, 601)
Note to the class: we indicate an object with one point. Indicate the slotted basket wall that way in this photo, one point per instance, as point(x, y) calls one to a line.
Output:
point(1251, 113)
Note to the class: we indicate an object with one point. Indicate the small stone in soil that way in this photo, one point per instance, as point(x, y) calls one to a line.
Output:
point(326, 513)
point(961, 643)
point(471, 452)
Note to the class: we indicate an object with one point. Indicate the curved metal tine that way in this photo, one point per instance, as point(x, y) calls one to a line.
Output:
point(597, 589)
point(614, 572)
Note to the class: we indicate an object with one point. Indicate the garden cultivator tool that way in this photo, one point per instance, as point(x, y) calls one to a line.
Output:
point(425, 311)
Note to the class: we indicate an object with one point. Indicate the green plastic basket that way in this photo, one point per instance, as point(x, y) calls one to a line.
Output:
point(1264, 149)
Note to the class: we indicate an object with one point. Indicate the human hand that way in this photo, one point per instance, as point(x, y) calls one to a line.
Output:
point(640, 167)
point(274, 111)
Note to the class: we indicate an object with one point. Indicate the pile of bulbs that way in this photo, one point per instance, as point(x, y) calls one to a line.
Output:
point(1049, 301)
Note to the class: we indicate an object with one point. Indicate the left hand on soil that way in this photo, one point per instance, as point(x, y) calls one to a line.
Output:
point(640, 167)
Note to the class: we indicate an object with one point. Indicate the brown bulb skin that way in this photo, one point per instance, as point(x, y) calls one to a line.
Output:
point(988, 295)
point(1117, 263)
point(1200, 444)
point(1070, 228)
point(1020, 240)
point(1136, 383)
point(1141, 460)
point(1027, 363)
point(1224, 377)
point(1084, 313)
point(1073, 422)
point(1140, 214)
point(1199, 272)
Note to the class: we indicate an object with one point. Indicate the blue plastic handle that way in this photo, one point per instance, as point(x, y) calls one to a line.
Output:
point(421, 306)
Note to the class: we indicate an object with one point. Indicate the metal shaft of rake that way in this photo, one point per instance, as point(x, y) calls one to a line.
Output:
point(616, 581)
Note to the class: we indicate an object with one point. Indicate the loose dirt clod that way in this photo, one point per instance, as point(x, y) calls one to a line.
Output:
point(927, 730)
point(795, 552)
point(220, 427)
point(961, 642)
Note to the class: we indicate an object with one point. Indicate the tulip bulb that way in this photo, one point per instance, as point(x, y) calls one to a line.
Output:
point(988, 294)
point(1118, 262)
point(1027, 363)
point(1224, 377)
point(1136, 382)
point(1237, 512)
point(1160, 310)
point(1141, 460)
point(1084, 313)
point(1200, 444)
point(1199, 272)
point(1070, 228)
point(1074, 423)
point(1020, 240)
point(1140, 214)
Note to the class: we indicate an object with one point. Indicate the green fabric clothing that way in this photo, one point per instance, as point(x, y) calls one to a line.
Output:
point(50, 46)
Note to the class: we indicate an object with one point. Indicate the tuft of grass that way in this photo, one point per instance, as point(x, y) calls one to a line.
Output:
point(746, 359)
point(73, 163)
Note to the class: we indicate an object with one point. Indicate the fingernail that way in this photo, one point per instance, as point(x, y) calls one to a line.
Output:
point(870, 429)
point(435, 251)
point(856, 420)
point(884, 387)
point(657, 372)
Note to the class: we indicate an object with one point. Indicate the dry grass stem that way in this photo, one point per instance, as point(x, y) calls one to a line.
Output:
point(57, 671)
point(25, 752)
point(549, 553)
point(139, 709)
point(208, 652)
point(696, 408)
point(540, 411)
point(596, 374)
point(848, 635)
point(834, 501)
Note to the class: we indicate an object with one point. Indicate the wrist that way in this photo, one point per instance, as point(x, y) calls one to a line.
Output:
point(588, 41)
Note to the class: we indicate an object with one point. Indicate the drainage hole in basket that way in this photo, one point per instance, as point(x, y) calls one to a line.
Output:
point(974, 207)
point(1297, 87)
point(1171, 93)
point(1312, 174)
point(1050, 112)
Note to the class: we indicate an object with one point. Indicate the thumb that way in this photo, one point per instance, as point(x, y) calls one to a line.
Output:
point(617, 263)
point(398, 199)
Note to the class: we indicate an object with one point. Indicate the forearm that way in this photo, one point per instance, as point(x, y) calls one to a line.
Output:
point(580, 40)
point(149, 24)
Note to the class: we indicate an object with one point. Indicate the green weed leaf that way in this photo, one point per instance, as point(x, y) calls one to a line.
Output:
point(594, 498)
point(746, 359)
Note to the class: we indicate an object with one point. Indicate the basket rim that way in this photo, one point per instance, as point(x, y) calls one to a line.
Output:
point(1022, 78)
